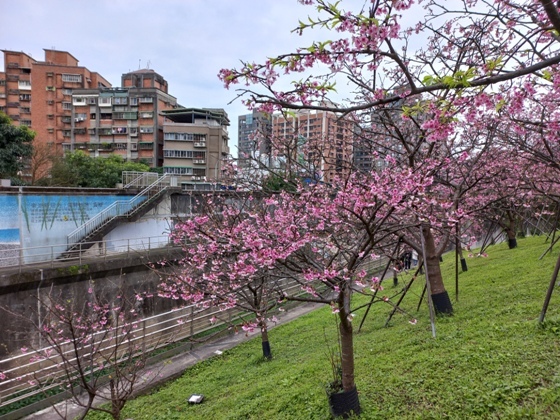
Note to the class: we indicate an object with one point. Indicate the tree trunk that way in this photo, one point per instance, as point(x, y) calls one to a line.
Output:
point(347, 402)
point(346, 340)
point(440, 297)
point(115, 406)
point(510, 230)
point(267, 354)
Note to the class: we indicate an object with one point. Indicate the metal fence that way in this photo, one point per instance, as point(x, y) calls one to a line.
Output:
point(157, 331)
point(48, 255)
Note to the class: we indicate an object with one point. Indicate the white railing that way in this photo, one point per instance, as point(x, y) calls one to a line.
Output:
point(157, 331)
point(105, 249)
point(117, 209)
point(135, 179)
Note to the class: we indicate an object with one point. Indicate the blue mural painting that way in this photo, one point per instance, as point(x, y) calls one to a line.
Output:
point(39, 221)
point(9, 225)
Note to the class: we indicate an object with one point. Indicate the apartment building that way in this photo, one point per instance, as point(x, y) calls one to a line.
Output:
point(253, 137)
point(195, 145)
point(38, 94)
point(126, 121)
point(320, 142)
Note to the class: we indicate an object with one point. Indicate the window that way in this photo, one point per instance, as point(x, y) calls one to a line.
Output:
point(120, 146)
point(50, 102)
point(146, 115)
point(2, 82)
point(120, 130)
point(184, 154)
point(106, 116)
point(105, 131)
point(50, 116)
point(79, 100)
point(50, 74)
point(25, 97)
point(67, 105)
point(24, 84)
point(50, 130)
point(93, 116)
point(72, 78)
point(146, 146)
point(105, 101)
point(120, 101)
point(24, 110)
point(178, 170)
point(146, 100)
point(50, 88)
point(133, 101)
point(27, 123)
point(79, 131)
point(147, 129)
point(80, 117)
point(199, 172)
point(92, 101)
point(125, 115)
point(133, 146)
point(184, 136)
point(66, 133)
point(133, 131)
point(66, 120)
point(91, 131)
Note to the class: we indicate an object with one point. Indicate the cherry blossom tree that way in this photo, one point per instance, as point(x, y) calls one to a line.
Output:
point(94, 350)
point(428, 78)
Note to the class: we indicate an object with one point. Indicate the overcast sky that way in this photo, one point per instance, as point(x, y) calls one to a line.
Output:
point(186, 41)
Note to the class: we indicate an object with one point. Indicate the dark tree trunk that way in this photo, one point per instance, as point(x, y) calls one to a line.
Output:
point(510, 230)
point(347, 402)
point(440, 297)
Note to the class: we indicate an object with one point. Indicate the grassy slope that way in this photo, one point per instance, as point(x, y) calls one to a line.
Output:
point(490, 360)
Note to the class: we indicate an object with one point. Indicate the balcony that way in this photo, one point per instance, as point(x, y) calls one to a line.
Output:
point(24, 85)
point(199, 144)
point(199, 161)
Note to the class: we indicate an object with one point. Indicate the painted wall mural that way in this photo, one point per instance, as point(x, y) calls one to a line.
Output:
point(40, 223)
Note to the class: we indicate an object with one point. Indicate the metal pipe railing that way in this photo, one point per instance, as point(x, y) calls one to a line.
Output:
point(25, 256)
point(117, 209)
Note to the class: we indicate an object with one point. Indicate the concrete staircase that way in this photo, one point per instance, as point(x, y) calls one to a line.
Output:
point(84, 236)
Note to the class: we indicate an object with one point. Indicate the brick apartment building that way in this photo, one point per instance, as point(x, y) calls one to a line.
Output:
point(126, 121)
point(321, 142)
point(196, 145)
point(72, 108)
point(38, 93)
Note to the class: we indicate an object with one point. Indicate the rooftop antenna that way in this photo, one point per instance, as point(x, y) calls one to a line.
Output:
point(139, 63)
point(148, 64)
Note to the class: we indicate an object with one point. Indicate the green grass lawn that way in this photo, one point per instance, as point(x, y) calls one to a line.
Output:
point(490, 360)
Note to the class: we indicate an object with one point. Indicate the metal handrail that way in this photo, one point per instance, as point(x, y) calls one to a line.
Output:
point(160, 329)
point(117, 209)
point(139, 178)
point(14, 257)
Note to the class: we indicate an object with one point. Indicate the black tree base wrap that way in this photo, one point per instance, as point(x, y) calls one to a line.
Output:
point(266, 350)
point(464, 264)
point(442, 303)
point(345, 404)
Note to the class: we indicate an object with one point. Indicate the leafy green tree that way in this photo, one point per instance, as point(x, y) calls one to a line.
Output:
point(78, 169)
point(16, 145)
